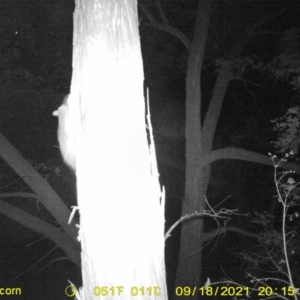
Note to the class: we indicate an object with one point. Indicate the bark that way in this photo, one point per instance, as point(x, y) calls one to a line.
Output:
point(121, 219)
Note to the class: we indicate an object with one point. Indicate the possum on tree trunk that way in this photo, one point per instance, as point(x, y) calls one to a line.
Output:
point(66, 133)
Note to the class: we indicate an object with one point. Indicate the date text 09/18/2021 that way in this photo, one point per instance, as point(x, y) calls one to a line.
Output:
point(236, 291)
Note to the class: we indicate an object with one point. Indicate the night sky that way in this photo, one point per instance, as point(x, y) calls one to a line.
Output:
point(35, 75)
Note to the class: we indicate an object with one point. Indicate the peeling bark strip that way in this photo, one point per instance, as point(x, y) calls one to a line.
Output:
point(121, 219)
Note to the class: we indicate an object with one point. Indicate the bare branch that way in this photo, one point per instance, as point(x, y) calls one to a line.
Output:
point(55, 234)
point(250, 33)
point(165, 27)
point(38, 185)
point(262, 21)
point(20, 195)
point(246, 155)
point(268, 32)
point(161, 12)
point(209, 235)
point(216, 214)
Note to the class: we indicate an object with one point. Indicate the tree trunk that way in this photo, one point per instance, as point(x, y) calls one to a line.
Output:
point(196, 177)
point(121, 219)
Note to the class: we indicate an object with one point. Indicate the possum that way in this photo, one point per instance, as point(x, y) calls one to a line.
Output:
point(66, 133)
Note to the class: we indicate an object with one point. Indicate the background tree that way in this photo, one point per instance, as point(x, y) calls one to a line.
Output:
point(200, 133)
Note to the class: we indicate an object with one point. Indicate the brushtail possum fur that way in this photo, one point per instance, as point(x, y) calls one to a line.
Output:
point(66, 133)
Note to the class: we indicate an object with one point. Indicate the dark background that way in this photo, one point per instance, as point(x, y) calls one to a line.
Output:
point(35, 74)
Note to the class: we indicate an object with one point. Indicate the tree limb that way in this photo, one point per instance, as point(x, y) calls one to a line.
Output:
point(166, 27)
point(209, 235)
point(61, 239)
point(246, 155)
point(250, 33)
point(161, 12)
point(38, 185)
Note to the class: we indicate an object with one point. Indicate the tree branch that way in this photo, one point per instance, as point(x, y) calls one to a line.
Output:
point(223, 79)
point(61, 239)
point(166, 27)
point(209, 235)
point(250, 33)
point(264, 20)
point(39, 185)
point(246, 155)
point(20, 195)
point(161, 12)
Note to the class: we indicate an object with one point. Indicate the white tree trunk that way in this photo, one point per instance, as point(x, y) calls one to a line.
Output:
point(121, 219)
